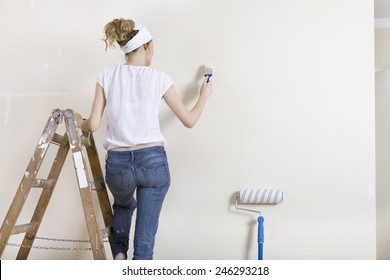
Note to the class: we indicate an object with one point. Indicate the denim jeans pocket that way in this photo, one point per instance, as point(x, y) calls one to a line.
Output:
point(157, 174)
point(115, 180)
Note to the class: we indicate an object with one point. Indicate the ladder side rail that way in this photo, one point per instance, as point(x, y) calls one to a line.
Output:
point(84, 186)
point(27, 181)
point(98, 177)
point(43, 201)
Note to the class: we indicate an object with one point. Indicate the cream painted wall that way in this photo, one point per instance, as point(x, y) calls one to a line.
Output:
point(382, 78)
point(293, 108)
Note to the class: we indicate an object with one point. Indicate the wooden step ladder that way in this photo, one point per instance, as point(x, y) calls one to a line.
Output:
point(75, 141)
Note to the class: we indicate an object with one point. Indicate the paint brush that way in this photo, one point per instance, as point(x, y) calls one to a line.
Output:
point(208, 71)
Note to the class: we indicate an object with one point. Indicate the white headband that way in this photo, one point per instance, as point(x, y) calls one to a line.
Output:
point(142, 37)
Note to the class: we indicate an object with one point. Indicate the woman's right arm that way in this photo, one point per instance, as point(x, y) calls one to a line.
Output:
point(188, 117)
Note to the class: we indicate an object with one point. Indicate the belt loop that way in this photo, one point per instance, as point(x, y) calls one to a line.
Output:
point(132, 156)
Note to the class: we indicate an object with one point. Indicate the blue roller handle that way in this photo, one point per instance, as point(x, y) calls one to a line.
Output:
point(260, 233)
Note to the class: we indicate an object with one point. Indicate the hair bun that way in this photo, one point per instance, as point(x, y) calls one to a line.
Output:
point(118, 30)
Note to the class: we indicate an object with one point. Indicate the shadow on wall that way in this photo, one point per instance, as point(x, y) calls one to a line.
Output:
point(251, 225)
point(190, 93)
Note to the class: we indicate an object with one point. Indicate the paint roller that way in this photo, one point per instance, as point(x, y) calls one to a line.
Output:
point(259, 196)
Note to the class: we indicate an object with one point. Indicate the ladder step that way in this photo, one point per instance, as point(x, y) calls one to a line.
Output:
point(97, 186)
point(106, 232)
point(86, 140)
point(24, 228)
point(60, 140)
point(41, 183)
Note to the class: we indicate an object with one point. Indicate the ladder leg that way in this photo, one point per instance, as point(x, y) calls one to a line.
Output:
point(101, 188)
point(84, 187)
point(92, 224)
point(44, 199)
point(26, 182)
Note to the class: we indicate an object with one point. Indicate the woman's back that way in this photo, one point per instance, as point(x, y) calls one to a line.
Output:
point(133, 98)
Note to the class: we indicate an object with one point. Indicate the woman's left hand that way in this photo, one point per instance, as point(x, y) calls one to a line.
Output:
point(79, 119)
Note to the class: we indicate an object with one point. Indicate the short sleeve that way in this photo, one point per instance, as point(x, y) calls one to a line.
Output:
point(166, 82)
point(100, 79)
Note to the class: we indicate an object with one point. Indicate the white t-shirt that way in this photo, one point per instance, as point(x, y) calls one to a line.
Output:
point(133, 98)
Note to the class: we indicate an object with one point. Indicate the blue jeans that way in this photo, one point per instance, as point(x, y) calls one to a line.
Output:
point(143, 172)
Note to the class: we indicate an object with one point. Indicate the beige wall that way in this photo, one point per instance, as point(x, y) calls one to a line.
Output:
point(293, 108)
point(382, 62)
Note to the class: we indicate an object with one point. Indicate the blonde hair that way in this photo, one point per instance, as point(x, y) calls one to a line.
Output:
point(119, 31)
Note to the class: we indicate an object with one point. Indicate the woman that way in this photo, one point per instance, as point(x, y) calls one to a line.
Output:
point(136, 161)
